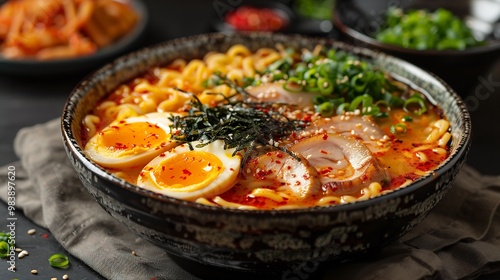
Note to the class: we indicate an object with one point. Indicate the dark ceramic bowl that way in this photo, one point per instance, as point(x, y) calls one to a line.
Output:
point(219, 23)
point(358, 21)
point(260, 241)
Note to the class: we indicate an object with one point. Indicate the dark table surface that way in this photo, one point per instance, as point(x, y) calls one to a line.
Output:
point(26, 101)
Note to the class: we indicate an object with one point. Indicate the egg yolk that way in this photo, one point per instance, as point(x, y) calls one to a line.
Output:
point(188, 171)
point(130, 136)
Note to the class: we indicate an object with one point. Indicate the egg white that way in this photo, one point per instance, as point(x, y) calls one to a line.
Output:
point(111, 157)
point(227, 167)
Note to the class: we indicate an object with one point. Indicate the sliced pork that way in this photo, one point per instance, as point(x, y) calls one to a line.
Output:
point(345, 164)
point(274, 92)
point(282, 172)
point(360, 127)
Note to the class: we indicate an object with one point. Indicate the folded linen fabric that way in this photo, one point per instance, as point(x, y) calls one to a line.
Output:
point(459, 239)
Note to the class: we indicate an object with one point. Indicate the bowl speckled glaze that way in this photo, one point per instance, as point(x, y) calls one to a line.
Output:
point(260, 241)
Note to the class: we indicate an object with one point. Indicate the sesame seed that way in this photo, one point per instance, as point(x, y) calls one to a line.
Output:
point(23, 254)
point(134, 253)
point(34, 271)
point(65, 277)
point(53, 278)
point(32, 231)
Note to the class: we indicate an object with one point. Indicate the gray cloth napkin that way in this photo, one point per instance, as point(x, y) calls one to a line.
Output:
point(460, 239)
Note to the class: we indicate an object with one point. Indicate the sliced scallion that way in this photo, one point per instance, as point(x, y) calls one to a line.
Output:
point(325, 86)
point(4, 249)
point(59, 261)
point(415, 104)
point(407, 119)
point(398, 129)
point(326, 109)
point(364, 100)
point(293, 84)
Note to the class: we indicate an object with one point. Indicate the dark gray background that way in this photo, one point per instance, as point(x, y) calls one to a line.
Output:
point(27, 101)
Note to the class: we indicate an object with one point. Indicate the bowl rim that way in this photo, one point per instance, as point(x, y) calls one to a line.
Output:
point(367, 41)
point(72, 146)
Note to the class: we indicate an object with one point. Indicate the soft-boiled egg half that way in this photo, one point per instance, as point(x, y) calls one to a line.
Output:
point(189, 174)
point(132, 141)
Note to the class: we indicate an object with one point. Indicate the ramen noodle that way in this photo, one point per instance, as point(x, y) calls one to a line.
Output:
point(54, 29)
point(274, 128)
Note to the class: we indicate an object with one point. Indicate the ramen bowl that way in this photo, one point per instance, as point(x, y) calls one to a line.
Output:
point(268, 242)
point(358, 22)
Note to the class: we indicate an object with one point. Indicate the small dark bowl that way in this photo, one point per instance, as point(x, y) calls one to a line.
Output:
point(266, 242)
point(359, 21)
point(219, 23)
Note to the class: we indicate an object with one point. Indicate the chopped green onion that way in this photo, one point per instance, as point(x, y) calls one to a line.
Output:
point(319, 99)
point(365, 100)
point(395, 101)
point(341, 109)
point(407, 119)
point(398, 129)
point(311, 73)
point(278, 75)
point(326, 109)
point(4, 249)
point(424, 30)
point(381, 115)
point(415, 100)
point(293, 84)
point(283, 64)
point(328, 69)
point(344, 80)
point(4, 236)
point(311, 85)
point(359, 83)
point(325, 86)
point(371, 110)
point(308, 57)
point(382, 103)
point(300, 69)
point(59, 261)
point(331, 54)
point(213, 81)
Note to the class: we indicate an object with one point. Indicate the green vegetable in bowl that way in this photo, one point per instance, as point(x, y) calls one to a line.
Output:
point(424, 30)
point(316, 9)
